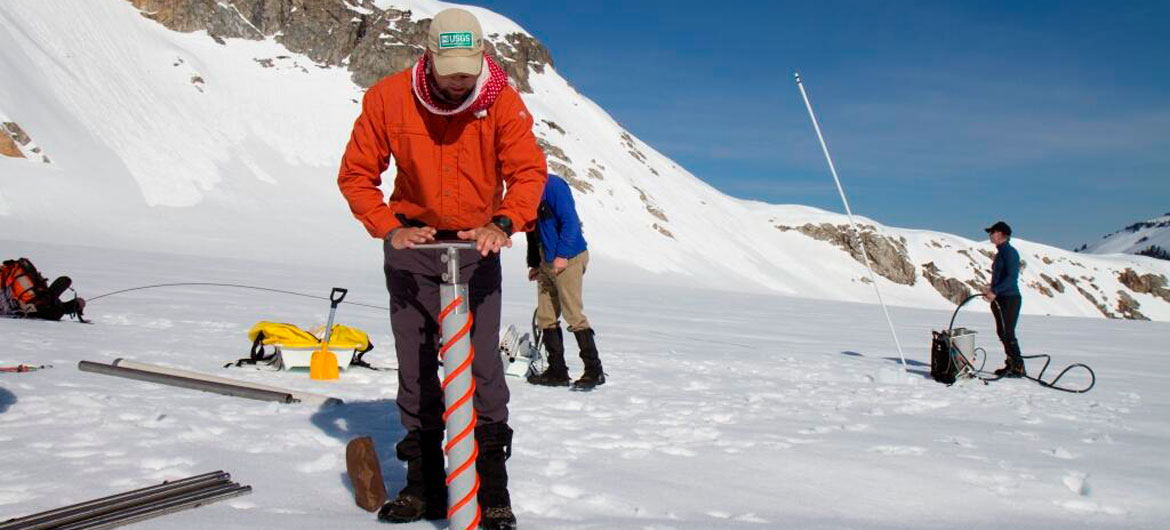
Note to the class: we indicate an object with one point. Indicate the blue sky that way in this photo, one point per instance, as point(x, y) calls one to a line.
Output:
point(1054, 116)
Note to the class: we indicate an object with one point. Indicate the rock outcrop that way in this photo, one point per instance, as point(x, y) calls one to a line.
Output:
point(951, 288)
point(369, 41)
point(1154, 284)
point(887, 255)
point(1128, 307)
point(8, 146)
point(15, 143)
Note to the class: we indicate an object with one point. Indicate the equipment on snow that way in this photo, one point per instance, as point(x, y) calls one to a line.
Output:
point(293, 347)
point(226, 389)
point(521, 353)
point(849, 212)
point(136, 505)
point(455, 321)
point(953, 356)
point(304, 397)
point(323, 363)
point(22, 368)
point(25, 293)
point(365, 473)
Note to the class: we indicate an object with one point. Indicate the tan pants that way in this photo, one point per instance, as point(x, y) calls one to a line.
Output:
point(560, 294)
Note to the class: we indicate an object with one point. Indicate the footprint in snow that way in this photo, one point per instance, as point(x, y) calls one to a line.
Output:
point(556, 468)
point(898, 450)
point(1061, 453)
point(997, 483)
point(1087, 506)
point(155, 464)
point(567, 492)
point(1077, 482)
point(960, 441)
point(326, 462)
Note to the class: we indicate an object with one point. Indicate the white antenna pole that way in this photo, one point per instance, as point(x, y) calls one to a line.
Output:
point(860, 240)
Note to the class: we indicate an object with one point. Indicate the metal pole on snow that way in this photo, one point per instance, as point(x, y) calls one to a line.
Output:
point(849, 212)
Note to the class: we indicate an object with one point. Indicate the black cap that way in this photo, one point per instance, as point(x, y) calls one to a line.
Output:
point(999, 226)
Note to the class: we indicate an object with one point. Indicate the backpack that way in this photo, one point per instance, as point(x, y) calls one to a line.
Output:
point(22, 288)
point(25, 293)
point(942, 366)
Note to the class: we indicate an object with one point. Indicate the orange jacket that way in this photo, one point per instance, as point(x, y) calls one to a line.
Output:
point(451, 169)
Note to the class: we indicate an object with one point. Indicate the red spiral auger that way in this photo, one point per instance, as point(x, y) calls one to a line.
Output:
point(464, 400)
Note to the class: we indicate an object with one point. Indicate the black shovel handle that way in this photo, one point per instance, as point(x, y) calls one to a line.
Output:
point(337, 296)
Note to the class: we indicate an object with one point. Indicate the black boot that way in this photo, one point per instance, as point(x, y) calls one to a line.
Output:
point(425, 493)
point(495, 446)
point(556, 373)
point(594, 375)
point(1014, 366)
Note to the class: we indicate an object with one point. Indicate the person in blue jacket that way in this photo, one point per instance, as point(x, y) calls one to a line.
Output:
point(1004, 296)
point(557, 258)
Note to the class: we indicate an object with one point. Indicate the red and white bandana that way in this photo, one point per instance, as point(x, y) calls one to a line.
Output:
point(492, 80)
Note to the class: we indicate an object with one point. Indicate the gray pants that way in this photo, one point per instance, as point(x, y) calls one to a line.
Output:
point(413, 278)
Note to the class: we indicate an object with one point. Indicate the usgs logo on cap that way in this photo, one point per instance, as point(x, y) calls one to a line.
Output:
point(461, 39)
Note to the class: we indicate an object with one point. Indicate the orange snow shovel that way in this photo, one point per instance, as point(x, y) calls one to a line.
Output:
point(323, 363)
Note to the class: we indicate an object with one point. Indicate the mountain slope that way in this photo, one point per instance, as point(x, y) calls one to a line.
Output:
point(215, 127)
point(1148, 238)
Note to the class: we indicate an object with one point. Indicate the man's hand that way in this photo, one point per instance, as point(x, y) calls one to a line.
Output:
point(559, 265)
point(533, 272)
point(488, 238)
point(408, 237)
point(989, 295)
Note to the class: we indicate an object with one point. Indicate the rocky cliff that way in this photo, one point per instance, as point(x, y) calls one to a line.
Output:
point(355, 34)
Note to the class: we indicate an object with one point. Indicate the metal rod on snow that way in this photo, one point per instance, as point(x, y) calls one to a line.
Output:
point(187, 382)
point(137, 505)
point(860, 240)
point(119, 500)
point(457, 354)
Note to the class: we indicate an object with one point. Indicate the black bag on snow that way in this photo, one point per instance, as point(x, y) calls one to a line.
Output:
point(942, 363)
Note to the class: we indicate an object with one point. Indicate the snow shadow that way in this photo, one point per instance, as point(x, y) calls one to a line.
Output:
point(909, 363)
point(376, 419)
point(6, 399)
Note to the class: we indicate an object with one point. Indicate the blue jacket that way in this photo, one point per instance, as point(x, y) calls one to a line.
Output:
point(558, 229)
point(1005, 271)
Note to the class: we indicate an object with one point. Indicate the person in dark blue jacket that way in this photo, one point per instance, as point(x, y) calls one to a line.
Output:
point(1004, 296)
point(557, 258)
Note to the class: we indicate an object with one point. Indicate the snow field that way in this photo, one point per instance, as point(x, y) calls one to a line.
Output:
point(722, 410)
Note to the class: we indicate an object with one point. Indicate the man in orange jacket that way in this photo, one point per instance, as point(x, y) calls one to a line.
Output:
point(458, 134)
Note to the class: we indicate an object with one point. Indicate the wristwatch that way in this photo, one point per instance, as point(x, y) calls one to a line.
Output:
point(504, 223)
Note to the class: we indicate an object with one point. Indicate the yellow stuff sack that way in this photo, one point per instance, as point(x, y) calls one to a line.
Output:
point(280, 336)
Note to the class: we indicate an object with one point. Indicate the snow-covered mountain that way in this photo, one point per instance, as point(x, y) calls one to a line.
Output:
point(1147, 238)
point(216, 127)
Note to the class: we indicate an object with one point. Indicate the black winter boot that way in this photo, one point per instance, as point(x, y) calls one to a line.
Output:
point(594, 375)
point(425, 493)
point(495, 446)
point(556, 373)
point(1014, 366)
point(498, 518)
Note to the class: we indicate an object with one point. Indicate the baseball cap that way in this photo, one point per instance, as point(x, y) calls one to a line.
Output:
point(999, 226)
point(455, 41)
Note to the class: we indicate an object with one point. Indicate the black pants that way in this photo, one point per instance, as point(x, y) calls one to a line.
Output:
point(413, 278)
point(1007, 312)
